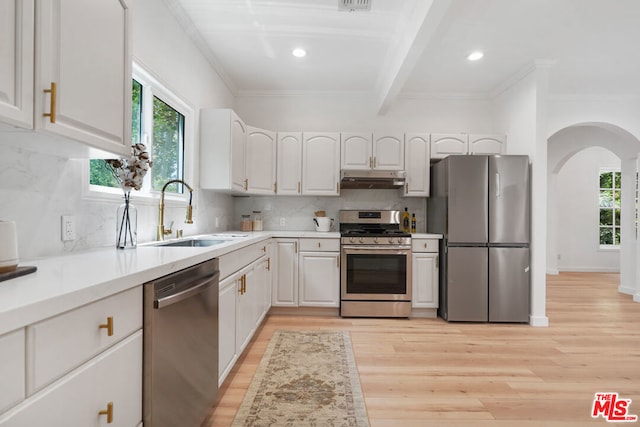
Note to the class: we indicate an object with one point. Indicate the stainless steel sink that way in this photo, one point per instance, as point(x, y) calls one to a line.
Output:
point(193, 243)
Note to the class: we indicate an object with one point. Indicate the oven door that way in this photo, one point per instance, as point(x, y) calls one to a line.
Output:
point(375, 273)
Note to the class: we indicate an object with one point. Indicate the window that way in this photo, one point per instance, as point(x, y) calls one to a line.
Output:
point(610, 194)
point(159, 120)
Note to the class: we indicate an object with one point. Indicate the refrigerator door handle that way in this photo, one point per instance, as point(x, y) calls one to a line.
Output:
point(498, 188)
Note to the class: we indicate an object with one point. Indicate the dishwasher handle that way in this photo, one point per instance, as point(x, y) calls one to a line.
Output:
point(193, 290)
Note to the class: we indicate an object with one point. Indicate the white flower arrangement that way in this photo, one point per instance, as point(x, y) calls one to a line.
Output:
point(130, 172)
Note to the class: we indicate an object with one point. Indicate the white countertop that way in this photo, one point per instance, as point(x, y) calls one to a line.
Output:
point(65, 282)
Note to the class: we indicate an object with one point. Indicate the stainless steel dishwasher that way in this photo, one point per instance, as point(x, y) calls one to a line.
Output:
point(181, 346)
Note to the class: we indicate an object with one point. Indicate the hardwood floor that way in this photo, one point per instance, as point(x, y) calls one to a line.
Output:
point(427, 372)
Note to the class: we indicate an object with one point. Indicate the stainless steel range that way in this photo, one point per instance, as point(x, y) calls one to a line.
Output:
point(375, 276)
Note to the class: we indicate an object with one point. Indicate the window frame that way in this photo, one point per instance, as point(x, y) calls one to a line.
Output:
point(614, 171)
point(151, 86)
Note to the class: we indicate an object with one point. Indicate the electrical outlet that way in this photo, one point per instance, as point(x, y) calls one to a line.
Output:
point(68, 228)
point(282, 222)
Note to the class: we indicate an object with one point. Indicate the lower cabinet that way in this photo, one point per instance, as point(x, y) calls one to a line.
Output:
point(242, 307)
point(319, 279)
point(285, 273)
point(12, 369)
point(424, 272)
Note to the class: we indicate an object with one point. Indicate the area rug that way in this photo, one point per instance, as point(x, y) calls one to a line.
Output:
point(305, 378)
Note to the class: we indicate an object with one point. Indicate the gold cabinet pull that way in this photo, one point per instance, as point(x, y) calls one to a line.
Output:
point(318, 244)
point(264, 249)
point(374, 162)
point(298, 186)
point(338, 261)
point(337, 187)
point(244, 283)
point(275, 187)
point(406, 188)
point(295, 246)
point(53, 91)
point(108, 326)
point(108, 412)
point(246, 184)
point(269, 264)
point(370, 162)
point(437, 264)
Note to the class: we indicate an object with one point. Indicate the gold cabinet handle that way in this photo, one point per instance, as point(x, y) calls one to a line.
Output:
point(318, 244)
point(406, 188)
point(370, 162)
point(269, 264)
point(295, 247)
point(53, 91)
point(437, 264)
point(264, 249)
point(275, 187)
point(108, 412)
point(298, 186)
point(246, 184)
point(337, 187)
point(374, 162)
point(108, 326)
point(338, 261)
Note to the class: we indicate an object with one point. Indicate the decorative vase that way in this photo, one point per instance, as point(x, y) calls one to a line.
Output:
point(126, 224)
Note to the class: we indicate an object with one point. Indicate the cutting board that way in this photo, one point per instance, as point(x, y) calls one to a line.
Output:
point(20, 271)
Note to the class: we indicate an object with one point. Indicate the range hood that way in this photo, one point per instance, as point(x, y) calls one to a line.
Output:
point(366, 179)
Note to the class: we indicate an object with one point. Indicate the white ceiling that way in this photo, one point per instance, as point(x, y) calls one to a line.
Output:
point(417, 47)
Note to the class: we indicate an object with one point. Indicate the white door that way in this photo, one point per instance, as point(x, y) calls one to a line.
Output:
point(246, 312)
point(356, 150)
point(388, 151)
point(285, 274)
point(321, 164)
point(260, 161)
point(83, 48)
point(444, 144)
point(289, 164)
point(487, 144)
point(226, 326)
point(425, 280)
point(416, 163)
point(238, 144)
point(319, 279)
point(16, 62)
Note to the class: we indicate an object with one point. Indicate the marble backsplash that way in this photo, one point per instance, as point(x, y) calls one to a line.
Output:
point(298, 211)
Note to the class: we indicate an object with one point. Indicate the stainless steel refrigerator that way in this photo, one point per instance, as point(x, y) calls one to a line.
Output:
point(481, 204)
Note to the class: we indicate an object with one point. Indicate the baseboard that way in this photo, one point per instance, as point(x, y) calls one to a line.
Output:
point(589, 269)
point(539, 321)
point(553, 271)
point(625, 290)
point(636, 298)
point(305, 311)
point(424, 313)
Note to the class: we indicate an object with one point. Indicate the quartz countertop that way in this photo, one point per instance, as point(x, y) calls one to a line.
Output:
point(65, 282)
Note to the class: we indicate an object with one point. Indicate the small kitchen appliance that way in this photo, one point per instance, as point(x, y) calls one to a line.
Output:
point(375, 273)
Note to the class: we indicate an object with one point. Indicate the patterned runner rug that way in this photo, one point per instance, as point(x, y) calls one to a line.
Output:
point(305, 378)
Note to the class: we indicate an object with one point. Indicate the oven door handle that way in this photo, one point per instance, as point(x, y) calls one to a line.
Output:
point(388, 249)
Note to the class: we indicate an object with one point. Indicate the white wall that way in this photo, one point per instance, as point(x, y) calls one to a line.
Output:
point(577, 213)
point(36, 189)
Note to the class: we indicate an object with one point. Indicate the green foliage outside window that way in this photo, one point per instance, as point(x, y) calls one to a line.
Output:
point(610, 194)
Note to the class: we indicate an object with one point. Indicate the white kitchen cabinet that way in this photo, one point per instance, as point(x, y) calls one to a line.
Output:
point(487, 144)
point(321, 163)
point(445, 144)
point(222, 150)
point(424, 273)
point(319, 279)
point(227, 326)
point(260, 161)
point(382, 151)
point(249, 296)
point(16, 63)
point(356, 150)
point(388, 151)
point(110, 382)
point(12, 369)
point(78, 86)
point(285, 273)
point(417, 158)
point(289, 164)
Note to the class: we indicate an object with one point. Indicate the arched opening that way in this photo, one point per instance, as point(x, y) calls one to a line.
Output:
point(576, 155)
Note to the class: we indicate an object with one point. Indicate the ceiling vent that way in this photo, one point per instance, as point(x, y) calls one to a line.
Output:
point(354, 5)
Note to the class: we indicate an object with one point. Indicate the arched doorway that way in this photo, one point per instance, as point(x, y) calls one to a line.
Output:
point(562, 146)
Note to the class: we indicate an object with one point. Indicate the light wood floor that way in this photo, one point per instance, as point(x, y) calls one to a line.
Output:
point(426, 372)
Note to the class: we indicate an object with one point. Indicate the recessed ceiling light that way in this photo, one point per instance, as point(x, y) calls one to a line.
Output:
point(474, 56)
point(299, 52)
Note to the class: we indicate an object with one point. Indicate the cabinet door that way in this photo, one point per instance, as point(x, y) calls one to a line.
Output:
point(12, 369)
point(75, 400)
point(83, 47)
point(424, 280)
point(321, 164)
point(319, 279)
point(16, 62)
point(356, 150)
point(246, 310)
point(444, 144)
point(262, 275)
point(417, 157)
point(238, 145)
point(388, 151)
point(487, 144)
point(289, 164)
point(285, 273)
point(260, 161)
point(227, 326)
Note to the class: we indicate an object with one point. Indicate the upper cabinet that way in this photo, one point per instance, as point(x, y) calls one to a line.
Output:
point(289, 164)
point(417, 156)
point(321, 163)
point(78, 88)
point(445, 144)
point(382, 151)
point(260, 164)
point(487, 144)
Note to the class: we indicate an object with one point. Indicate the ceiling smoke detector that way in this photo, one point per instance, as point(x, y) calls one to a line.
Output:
point(354, 5)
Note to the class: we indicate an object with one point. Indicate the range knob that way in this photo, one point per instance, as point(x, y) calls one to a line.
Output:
point(400, 239)
point(351, 240)
point(375, 240)
point(391, 240)
point(361, 240)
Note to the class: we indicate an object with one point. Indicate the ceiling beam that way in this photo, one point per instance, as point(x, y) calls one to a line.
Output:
point(427, 17)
